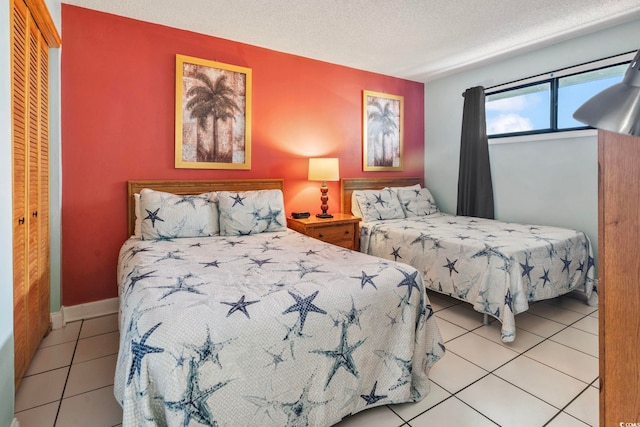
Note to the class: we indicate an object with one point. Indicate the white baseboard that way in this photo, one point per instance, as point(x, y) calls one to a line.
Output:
point(15, 423)
point(83, 311)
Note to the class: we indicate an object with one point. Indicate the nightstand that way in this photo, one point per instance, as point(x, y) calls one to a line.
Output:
point(341, 230)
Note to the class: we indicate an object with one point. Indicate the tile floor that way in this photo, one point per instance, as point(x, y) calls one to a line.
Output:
point(547, 377)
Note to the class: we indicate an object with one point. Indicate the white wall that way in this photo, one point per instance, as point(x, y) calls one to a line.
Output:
point(6, 252)
point(541, 181)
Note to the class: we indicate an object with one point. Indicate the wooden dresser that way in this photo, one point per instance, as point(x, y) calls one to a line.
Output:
point(619, 272)
point(341, 230)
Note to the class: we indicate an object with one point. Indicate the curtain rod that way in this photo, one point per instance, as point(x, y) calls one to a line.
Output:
point(557, 71)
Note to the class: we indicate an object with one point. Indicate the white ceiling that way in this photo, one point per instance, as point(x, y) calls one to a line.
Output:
point(413, 39)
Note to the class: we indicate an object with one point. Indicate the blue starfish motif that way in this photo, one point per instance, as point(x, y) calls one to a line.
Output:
point(421, 239)
point(364, 279)
point(261, 262)
point(135, 251)
point(405, 367)
point(211, 264)
point(210, 351)
point(140, 349)
point(193, 402)
point(181, 286)
point(545, 277)
point(304, 306)
point(461, 237)
point(311, 252)
point(271, 217)
point(409, 281)
point(233, 243)
point(451, 265)
point(490, 251)
point(171, 255)
point(304, 270)
point(580, 266)
point(139, 277)
point(277, 358)
point(190, 199)
point(240, 305)
point(352, 317)
point(342, 355)
point(237, 200)
point(153, 216)
point(508, 300)
point(372, 397)
point(396, 253)
point(379, 200)
point(566, 263)
point(526, 268)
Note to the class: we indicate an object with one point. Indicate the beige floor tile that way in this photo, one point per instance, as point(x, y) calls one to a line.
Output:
point(564, 420)
point(458, 315)
point(97, 408)
point(40, 389)
point(580, 340)
point(380, 416)
point(99, 325)
point(588, 324)
point(544, 382)
point(449, 331)
point(452, 412)
point(586, 407)
point(97, 346)
point(555, 313)
point(484, 353)
point(506, 404)
point(441, 301)
point(565, 359)
point(41, 416)
point(411, 410)
point(91, 375)
point(65, 334)
point(53, 357)
point(538, 325)
point(574, 304)
point(453, 373)
point(523, 342)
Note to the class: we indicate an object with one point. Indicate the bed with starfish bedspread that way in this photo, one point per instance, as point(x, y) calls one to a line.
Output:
point(269, 328)
point(496, 266)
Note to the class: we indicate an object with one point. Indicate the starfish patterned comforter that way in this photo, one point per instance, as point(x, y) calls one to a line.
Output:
point(267, 329)
point(498, 267)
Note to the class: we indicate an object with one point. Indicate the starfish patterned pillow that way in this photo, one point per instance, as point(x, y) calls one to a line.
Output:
point(417, 202)
point(379, 204)
point(251, 212)
point(170, 216)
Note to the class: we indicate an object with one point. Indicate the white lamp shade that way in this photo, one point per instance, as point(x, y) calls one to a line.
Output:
point(324, 169)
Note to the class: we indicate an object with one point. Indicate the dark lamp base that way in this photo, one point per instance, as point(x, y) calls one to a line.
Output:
point(324, 215)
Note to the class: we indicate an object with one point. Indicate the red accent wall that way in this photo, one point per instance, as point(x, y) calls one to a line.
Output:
point(118, 105)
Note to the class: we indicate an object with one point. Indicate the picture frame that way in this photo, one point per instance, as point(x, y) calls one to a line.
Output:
point(383, 131)
point(213, 115)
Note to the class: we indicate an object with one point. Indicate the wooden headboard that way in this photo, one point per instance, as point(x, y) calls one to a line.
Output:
point(347, 186)
point(194, 187)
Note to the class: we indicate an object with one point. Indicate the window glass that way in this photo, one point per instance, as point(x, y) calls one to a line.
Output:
point(519, 110)
point(573, 91)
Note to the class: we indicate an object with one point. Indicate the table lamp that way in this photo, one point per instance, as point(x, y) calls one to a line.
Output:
point(324, 169)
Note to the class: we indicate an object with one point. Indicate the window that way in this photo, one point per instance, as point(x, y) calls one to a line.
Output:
point(545, 104)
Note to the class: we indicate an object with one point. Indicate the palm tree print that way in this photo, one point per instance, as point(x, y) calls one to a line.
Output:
point(382, 128)
point(215, 99)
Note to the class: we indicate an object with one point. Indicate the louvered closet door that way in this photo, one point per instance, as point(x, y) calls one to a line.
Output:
point(19, 153)
point(30, 57)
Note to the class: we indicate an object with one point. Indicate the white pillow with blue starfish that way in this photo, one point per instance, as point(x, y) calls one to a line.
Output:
point(379, 204)
point(170, 216)
point(417, 202)
point(251, 212)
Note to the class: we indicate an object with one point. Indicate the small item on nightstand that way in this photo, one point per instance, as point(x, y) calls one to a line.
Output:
point(300, 215)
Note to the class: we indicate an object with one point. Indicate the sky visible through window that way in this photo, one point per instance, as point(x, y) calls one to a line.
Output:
point(528, 109)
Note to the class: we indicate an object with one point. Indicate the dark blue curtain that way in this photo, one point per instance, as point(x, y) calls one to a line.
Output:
point(475, 189)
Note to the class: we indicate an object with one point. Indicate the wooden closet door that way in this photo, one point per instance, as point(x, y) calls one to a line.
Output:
point(30, 57)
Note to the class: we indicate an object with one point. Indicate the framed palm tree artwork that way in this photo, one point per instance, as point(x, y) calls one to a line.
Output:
point(382, 118)
point(213, 115)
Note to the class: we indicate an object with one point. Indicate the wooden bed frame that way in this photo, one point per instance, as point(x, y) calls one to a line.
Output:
point(348, 185)
point(184, 187)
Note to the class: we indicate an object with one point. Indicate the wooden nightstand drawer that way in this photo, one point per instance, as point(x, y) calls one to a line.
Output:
point(341, 230)
point(334, 233)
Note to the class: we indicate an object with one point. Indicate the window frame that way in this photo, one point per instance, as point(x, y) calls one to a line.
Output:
point(553, 79)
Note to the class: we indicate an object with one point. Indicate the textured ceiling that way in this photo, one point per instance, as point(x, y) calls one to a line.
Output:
point(413, 39)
